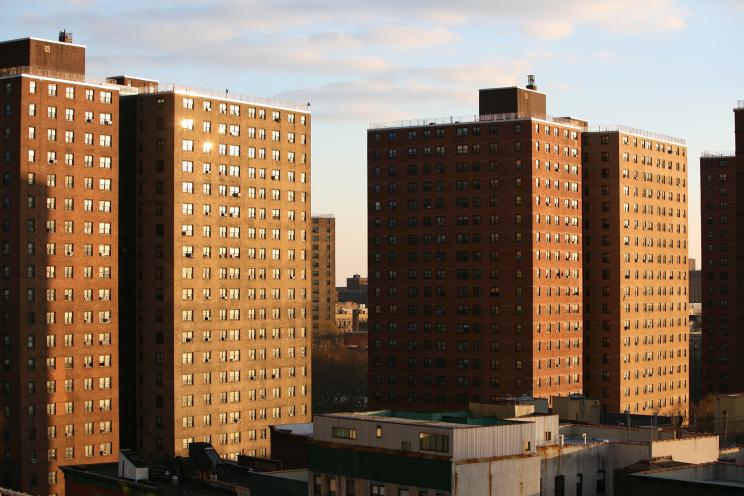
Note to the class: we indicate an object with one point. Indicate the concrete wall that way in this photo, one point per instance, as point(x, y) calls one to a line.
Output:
point(692, 450)
point(514, 476)
point(637, 434)
point(733, 405)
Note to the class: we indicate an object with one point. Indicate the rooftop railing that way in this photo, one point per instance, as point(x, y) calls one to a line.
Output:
point(153, 88)
point(224, 95)
point(713, 154)
point(632, 130)
point(50, 73)
point(475, 118)
point(466, 119)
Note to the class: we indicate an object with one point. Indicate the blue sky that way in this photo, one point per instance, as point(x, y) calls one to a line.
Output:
point(669, 66)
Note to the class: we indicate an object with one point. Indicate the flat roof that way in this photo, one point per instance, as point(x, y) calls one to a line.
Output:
point(305, 429)
point(225, 96)
point(57, 42)
point(454, 419)
point(455, 120)
point(512, 88)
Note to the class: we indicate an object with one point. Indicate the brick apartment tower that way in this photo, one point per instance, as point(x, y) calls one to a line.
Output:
point(324, 274)
point(722, 216)
point(475, 255)
point(635, 271)
point(222, 256)
point(59, 326)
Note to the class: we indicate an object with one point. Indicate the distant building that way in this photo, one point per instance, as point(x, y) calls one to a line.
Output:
point(351, 317)
point(696, 352)
point(696, 283)
point(355, 290)
point(324, 274)
point(721, 185)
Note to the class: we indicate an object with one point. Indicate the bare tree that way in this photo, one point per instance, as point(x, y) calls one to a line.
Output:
point(339, 376)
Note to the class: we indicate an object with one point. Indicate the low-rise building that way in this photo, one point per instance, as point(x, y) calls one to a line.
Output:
point(489, 449)
point(351, 317)
point(668, 477)
point(202, 473)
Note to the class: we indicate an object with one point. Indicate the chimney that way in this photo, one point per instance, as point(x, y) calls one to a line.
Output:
point(531, 82)
point(65, 36)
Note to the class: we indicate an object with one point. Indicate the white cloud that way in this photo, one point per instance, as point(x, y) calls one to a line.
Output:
point(549, 30)
point(408, 37)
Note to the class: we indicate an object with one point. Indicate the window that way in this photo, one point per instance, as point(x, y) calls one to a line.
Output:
point(376, 490)
point(433, 442)
point(344, 433)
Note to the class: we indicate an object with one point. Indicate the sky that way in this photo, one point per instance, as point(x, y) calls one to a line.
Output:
point(669, 66)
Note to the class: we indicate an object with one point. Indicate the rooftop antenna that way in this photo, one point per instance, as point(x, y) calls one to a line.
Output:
point(531, 82)
point(65, 36)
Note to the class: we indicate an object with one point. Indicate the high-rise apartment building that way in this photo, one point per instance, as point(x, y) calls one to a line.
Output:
point(324, 274)
point(59, 320)
point(722, 231)
point(475, 255)
point(696, 283)
point(635, 271)
point(222, 259)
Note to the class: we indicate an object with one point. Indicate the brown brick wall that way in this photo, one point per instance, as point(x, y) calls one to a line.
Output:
point(56, 56)
point(324, 275)
point(467, 303)
point(59, 316)
point(636, 268)
point(174, 346)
